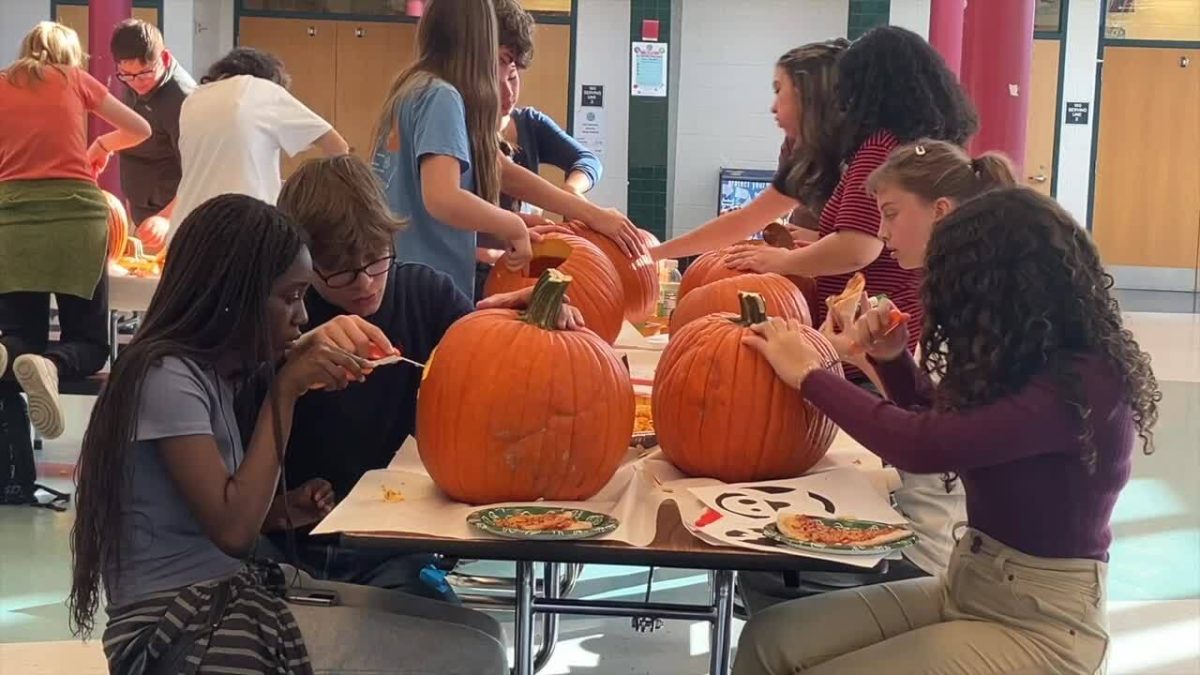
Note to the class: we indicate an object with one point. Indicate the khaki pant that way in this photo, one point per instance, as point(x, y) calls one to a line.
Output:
point(997, 611)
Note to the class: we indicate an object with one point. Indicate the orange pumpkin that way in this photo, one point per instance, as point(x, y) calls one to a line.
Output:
point(639, 275)
point(118, 226)
point(596, 291)
point(710, 267)
point(721, 412)
point(513, 409)
point(781, 296)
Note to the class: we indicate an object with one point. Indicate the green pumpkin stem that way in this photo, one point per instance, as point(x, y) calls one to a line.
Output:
point(548, 296)
point(754, 309)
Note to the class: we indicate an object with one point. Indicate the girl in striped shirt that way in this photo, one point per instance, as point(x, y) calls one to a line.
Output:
point(850, 107)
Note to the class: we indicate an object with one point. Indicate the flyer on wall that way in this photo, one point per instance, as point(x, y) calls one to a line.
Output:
point(648, 76)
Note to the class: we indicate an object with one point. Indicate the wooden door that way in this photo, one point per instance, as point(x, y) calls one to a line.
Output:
point(1147, 208)
point(546, 84)
point(1043, 107)
point(369, 56)
point(309, 52)
point(76, 17)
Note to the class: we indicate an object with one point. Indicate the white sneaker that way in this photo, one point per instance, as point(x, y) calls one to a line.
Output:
point(3, 359)
point(38, 376)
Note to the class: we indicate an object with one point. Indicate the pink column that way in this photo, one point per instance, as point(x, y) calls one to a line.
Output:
point(946, 30)
point(103, 17)
point(997, 57)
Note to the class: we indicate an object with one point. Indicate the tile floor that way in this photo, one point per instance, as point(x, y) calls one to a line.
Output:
point(1154, 608)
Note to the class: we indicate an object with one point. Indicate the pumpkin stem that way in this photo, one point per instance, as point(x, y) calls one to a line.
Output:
point(547, 300)
point(754, 309)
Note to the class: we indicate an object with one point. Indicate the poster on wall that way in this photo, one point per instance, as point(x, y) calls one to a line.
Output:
point(589, 120)
point(648, 74)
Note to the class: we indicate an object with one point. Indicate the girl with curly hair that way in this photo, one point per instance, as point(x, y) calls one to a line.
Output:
point(1041, 392)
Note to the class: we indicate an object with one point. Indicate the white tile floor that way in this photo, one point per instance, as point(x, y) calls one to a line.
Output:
point(1154, 616)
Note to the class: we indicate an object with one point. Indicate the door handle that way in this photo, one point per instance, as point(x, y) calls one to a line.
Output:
point(1040, 178)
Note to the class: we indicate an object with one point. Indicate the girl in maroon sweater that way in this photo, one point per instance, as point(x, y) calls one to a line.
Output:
point(1041, 395)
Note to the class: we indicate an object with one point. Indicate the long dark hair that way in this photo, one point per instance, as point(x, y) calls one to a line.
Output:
point(891, 79)
point(456, 42)
point(210, 304)
point(816, 154)
point(1014, 287)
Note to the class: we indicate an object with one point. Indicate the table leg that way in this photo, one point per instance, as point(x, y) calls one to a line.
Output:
point(721, 637)
point(523, 633)
point(113, 334)
point(552, 583)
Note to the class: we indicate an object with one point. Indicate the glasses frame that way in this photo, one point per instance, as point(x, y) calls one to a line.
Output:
point(355, 271)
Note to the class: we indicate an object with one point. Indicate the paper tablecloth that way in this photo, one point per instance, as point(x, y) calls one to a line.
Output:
point(633, 496)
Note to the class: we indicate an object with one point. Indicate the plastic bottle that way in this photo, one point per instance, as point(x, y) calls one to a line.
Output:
point(668, 285)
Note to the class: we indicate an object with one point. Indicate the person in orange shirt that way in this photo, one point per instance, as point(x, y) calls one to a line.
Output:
point(53, 224)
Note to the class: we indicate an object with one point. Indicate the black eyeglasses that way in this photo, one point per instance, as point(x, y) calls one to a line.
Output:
point(344, 278)
point(130, 77)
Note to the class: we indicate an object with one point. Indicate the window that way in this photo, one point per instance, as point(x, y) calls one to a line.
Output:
point(1047, 16)
point(1152, 20)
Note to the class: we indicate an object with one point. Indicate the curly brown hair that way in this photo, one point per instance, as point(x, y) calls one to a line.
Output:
point(515, 27)
point(1014, 287)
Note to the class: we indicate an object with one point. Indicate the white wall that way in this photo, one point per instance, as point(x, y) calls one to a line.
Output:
point(727, 53)
point(213, 33)
point(602, 57)
point(17, 17)
point(1073, 176)
point(911, 14)
point(179, 30)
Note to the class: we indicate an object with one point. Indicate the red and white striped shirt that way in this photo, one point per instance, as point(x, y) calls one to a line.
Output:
point(852, 208)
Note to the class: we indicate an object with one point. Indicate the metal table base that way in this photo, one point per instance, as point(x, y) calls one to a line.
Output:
point(718, 613)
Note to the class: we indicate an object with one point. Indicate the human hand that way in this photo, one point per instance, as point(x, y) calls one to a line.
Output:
point(614, 225)
point(758, 259)
point(153, 232)
point(783, 344)
point(307, 504)
point(354, 334)
point(520, 250)
point(881, 332)
point(318, 364)
point(842, 341)
point(97, 157)
point(569, 317)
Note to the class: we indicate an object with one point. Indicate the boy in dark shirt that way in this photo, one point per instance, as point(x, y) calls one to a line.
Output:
point(361, 299)
point(157, 86)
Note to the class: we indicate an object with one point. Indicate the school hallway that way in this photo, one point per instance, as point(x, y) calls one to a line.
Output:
point(1154, 607)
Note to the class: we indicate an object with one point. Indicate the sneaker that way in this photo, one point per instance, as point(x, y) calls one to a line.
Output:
point(38, 376)
point(3, 359)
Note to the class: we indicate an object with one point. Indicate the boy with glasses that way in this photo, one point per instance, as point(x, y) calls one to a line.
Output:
point(157, 86)
point(363, 301)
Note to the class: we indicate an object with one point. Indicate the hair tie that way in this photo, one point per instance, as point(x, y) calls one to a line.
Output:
point(920, 150)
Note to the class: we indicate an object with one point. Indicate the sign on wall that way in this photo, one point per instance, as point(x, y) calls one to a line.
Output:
point(589, 121)
point(1077, 112)
point(648, 74)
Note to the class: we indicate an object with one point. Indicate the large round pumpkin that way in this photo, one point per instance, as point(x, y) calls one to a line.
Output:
point(118, 226)
point(513, 409)
point(721, 412)
point(639, 275)
point(781, 296)
point(710, 267)
point(596, 289)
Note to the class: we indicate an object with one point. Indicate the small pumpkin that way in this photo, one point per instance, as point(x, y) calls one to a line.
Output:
point(119, 227)
point(639, 275)
point(514, 409)
point(721, 412)
point(781, 296)
point(596, 291)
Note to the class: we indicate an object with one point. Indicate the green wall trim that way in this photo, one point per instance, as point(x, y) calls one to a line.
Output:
point(867, 14)
point(649, 131)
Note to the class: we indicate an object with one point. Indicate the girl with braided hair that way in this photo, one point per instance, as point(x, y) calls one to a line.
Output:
point(171, 502)
point(1040, 397)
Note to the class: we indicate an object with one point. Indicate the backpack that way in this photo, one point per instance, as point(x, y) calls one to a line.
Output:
point(18, 472)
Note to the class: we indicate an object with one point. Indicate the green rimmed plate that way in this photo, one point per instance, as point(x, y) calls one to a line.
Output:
point(587, 523)
point(772, 532)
